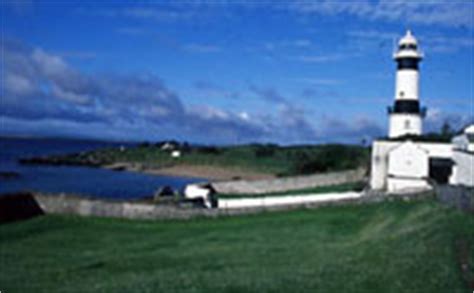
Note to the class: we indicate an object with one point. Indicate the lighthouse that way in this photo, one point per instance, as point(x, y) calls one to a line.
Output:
point(405, 116)
point(410, 165)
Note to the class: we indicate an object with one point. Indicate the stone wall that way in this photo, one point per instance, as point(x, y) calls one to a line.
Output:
point(288, 183)
point(464, 168)
point(461, 197)
point(70, 205)
point(67, 204)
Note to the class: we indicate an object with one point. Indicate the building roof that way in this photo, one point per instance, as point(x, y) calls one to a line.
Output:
point(469, 129)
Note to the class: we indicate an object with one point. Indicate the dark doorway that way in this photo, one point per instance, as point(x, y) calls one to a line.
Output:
point(441, 169)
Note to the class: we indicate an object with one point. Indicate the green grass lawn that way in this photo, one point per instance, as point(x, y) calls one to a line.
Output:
point(353, 186)
point(384, 247)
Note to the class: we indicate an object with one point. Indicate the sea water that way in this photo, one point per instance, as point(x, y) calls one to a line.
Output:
point(87, 181)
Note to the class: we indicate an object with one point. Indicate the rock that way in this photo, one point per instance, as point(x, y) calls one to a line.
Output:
point(18, 206)
point(117, 167)
point(165, 191)
point(9, 175)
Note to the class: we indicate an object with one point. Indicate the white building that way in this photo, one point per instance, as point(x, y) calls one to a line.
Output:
point(404, 165)
point(463, 157)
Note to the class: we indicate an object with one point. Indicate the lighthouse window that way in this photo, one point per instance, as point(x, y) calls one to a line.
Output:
point(408, 63)
point(407, 106)
point(409, 46)
point(407, 124)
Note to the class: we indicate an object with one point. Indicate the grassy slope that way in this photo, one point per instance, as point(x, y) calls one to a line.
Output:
point(272, 160)
point(387, 247)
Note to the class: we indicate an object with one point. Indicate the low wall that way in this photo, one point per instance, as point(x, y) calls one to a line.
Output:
point(67, 204)
point(272, 201)
point(464, 168)
point(461, 197)
point(73, 205)
point(288, 183)
point(70, 205)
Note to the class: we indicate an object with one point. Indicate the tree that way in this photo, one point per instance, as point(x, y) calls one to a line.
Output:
point(446, 129)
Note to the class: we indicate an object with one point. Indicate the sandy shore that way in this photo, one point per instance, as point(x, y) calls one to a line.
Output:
point(209, 172)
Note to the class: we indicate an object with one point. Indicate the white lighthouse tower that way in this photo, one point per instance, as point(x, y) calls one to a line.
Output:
point(406, 115)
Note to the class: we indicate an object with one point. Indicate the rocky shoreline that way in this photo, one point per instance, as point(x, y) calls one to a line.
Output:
point(67, 160)
point(8, 175)
point(215, 173)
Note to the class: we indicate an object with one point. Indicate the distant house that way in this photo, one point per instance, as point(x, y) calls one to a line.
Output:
point(172, 147)
point(168, 146)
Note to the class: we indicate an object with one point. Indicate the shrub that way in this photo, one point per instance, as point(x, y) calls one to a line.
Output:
point(209, 150)
point(263, 151)
point(329, 158)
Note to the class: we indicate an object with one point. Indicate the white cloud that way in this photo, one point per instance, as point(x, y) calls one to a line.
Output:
point(208, 112)
point(453, 13)
point(320, 81)
point(19, 85)
point(433, 113)
point(139, 103)
point(436, 117)
point(443, 44)
point(244, 116)
point(373, 34)
point(70, 96)
point(206, 90)
point(51, 65)
point(320, 58)
point(349, 129)
point(131, 31)
point(156, 111)
point(202, 48)
point(302, 43)
point(359, 8)
point(287, 44)
point(156, 13)
point(363, 39)
point(84, 55)
point(456, 13)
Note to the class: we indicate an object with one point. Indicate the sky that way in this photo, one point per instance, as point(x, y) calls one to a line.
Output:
point(227, 72)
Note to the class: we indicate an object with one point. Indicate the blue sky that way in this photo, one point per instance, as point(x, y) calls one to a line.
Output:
point(227, 72)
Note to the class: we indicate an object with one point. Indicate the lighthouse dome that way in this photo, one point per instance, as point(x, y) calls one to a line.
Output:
point(408, 48)
point(408, 39)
